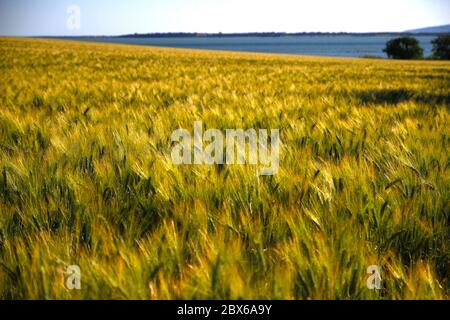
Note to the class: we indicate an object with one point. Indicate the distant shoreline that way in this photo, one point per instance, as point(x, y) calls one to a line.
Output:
point(250, 34)
point(341, 45)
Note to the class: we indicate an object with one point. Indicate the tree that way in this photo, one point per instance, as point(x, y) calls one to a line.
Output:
point(441, 47)
point(404, 48)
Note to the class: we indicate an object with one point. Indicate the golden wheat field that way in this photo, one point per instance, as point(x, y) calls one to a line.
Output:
point(87, 178)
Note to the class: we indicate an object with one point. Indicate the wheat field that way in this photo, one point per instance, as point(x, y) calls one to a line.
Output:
point(87, 179)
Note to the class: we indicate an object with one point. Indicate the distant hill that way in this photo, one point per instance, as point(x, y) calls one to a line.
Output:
point(437, 29)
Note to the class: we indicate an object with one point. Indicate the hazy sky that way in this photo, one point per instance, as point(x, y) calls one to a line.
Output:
point(112, 17)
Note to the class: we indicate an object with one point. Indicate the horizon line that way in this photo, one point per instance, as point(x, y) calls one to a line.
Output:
point(222, 34)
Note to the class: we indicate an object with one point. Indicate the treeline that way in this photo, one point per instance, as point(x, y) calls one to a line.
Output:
point(265, 34)
point(408, 48)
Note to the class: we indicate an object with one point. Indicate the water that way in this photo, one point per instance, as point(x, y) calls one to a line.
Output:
point(334, 46)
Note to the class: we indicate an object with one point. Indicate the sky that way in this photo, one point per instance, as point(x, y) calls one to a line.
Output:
point(115, 17)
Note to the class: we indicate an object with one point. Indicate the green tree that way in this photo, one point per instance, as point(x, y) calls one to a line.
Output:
point(441, 47)
point(404, 48)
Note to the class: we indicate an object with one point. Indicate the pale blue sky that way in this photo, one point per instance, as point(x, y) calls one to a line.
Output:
point(113, 17)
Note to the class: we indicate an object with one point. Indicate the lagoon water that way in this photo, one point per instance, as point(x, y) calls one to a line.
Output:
point(323, 45)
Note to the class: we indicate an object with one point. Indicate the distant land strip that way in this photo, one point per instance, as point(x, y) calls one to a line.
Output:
point(254, 34)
